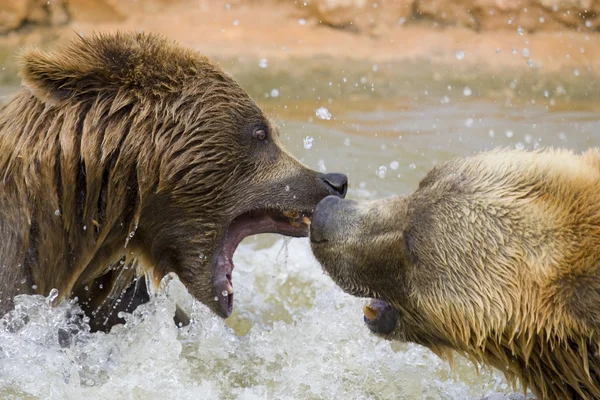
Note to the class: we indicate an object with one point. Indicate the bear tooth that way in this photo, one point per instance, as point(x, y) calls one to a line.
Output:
point(291, 214)
point(229, 288)
point(306, 220)
point(369, 313)
point(296, 224)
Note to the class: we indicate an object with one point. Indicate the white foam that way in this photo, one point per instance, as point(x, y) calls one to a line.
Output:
point(293, 335)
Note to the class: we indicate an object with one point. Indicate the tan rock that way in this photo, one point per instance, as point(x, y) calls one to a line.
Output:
point(530, 15)
point(96, 10)
point(58, 14)
point(368, 16)
point(12, 14)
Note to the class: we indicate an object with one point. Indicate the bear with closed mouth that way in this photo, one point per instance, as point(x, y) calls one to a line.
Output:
point(495, 256)
point(125, 157)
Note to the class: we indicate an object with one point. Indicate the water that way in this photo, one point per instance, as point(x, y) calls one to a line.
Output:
point(293, 333)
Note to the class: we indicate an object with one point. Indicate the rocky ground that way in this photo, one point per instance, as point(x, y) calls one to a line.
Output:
point(441, 38)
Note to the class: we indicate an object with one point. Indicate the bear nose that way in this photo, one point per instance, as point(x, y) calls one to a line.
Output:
point(320, 224)
point(338, 182)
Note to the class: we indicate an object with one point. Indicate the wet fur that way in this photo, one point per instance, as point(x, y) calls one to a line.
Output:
point(123, 156)
point(496, 256)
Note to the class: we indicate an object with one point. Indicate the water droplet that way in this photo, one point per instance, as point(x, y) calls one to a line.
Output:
point(347, 142)
point(34, 287)
point(85, 227)
point(519, 146)
point(525, 52)
point(469, 122)
point(562, 136)
point(236, 22)
point(321, 165)
point(509, 133)
point(323, 113)
point(302, 21)
point(460, 55)
point(588, 24)
point(576, 72)
point(520, 31)
point(308, 142)
point(394, 165)
point(216, 298)
point(287, 188)
point(375, 68)
point(274, 93)
point(528, 138)
point(263, 63)
point(498, 50)
point(381, 171)
point(225, 293)
point(491, 133)
point(542, 19)
point(201, 256)
point(57, 213)
point(53, 295)
point(467, 91)
point(412, 166)
point(514, 51)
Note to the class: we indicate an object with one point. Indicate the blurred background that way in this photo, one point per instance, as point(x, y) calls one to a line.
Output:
point(381, 90)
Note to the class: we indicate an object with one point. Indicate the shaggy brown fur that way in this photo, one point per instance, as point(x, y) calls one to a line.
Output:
point(126, 155)
point(496, 256)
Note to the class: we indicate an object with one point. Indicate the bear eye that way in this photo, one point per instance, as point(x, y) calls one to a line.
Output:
point(259, 134)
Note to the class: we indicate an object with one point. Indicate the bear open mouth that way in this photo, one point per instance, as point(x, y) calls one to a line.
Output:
point(288, 223)
point(381, 317)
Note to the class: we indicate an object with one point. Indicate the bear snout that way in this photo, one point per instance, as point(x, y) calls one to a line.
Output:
point(337, 182)
point(321, 226)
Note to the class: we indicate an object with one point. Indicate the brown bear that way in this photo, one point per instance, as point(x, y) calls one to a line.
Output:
point(125, 156)
point(495, 256)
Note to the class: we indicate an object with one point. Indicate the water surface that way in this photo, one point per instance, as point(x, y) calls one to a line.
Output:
point(294, 334)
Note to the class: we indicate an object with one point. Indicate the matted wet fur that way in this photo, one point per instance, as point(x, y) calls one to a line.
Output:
point(127, 156)
point(496, 256)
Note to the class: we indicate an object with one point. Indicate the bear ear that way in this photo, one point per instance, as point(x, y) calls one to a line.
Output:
point(51, 78)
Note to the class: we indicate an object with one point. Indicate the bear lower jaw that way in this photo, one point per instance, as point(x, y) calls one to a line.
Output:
point(288, 223)
point(380, 317)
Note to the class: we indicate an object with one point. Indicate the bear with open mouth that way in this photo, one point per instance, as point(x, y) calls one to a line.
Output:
point(126, 156)
point(495, 256)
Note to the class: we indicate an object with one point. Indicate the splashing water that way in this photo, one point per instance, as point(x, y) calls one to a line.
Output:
point(323, 113)
point(293, 334)
point(308, 142)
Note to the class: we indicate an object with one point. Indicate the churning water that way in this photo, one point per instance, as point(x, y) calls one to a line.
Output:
point(293, 334)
